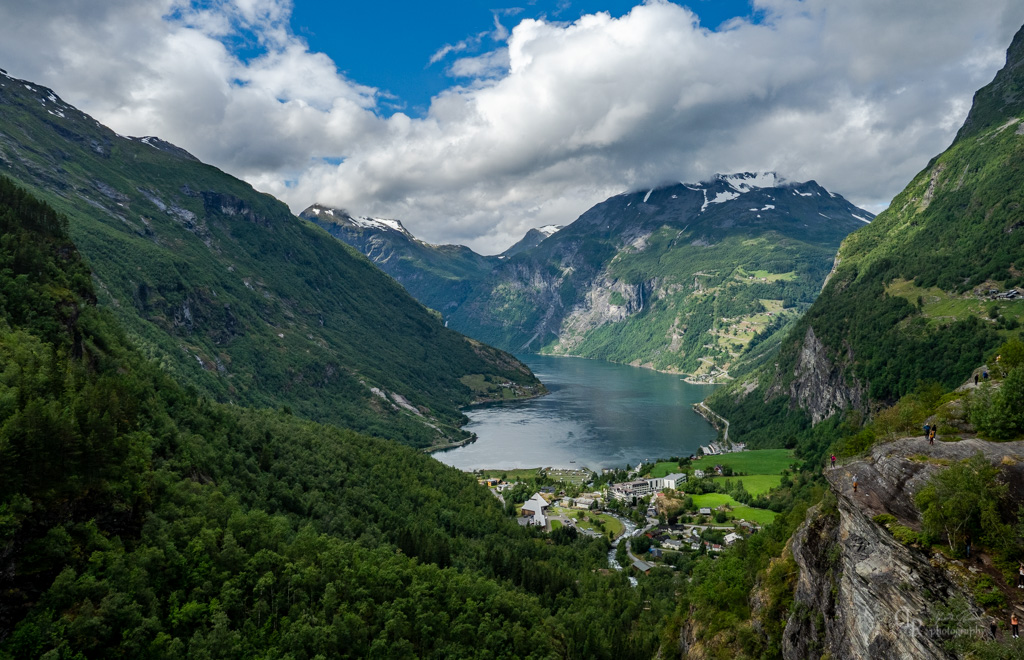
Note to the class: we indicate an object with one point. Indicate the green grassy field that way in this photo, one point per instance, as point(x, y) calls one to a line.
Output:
point(714, 500)
point(941, 306)
point(759, 461)
point(755, 484)
point(739, 511)
point(555, 524)
point(760, 516)
point(664, 467)
point(611, 524)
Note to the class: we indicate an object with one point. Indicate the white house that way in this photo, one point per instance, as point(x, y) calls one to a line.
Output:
point(535, 507)
point(698, 474)
point(732, 538)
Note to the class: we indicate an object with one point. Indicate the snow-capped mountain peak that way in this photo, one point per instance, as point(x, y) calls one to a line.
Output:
point(339, 215)
point(548, 230)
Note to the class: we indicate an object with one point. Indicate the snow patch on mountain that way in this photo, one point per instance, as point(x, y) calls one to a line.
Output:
point(747, 181)
point(722, 197)
point(380, 223)
point(548, 230)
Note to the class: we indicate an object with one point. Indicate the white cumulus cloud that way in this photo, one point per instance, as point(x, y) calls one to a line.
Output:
point(554, 118)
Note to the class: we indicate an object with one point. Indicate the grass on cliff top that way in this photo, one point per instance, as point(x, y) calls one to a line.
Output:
point(940, 306)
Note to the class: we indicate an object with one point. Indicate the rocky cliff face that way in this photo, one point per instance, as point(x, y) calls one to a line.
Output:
point(820, 386)
point(862, 593)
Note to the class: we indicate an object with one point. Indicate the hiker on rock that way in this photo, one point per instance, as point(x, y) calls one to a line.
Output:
point(927, 428)
point(1013, 624)
point(855, 484)
point(1020, 576)
point(833, 461)
point(931, 436)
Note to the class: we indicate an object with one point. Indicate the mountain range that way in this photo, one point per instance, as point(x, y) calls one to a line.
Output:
point(169, 337)
point(237, 297)
point(689, 278)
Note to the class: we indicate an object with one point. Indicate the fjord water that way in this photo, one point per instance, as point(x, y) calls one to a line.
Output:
point(597, 415)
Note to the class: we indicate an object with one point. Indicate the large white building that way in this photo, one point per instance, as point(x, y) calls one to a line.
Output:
point(630, 489)
point(673, 481)
point(534, 507)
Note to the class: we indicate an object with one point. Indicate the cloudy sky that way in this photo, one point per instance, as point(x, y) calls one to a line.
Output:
point(472, 123)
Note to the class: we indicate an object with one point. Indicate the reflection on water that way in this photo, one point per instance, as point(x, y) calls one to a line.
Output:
point(597, 415)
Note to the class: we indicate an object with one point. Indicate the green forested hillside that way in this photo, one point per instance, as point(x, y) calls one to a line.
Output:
point(233, 294)
point(139, 519)
point(923, 293)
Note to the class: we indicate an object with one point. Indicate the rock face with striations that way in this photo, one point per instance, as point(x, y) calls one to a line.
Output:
point(820, 386)
point(863, 594)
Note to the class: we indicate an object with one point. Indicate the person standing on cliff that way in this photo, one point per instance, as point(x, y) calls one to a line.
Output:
point(927, 428)
point(1020, 576)
point(855, 484)
point(833, 461)
point(931, 436)
point(1013, 624)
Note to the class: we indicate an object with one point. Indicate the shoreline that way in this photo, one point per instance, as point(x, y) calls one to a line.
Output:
point(450, 445)
point(688, 378)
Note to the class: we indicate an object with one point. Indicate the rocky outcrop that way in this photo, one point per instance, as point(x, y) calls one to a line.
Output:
point(606, 301)
point(863, 594)
point(820, 387)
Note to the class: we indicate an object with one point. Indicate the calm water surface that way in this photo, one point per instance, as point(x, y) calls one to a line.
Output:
point(597, 415)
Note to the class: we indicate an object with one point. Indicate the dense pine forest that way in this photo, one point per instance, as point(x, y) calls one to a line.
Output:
point(138, 519)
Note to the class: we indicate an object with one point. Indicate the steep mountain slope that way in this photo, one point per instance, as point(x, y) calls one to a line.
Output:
point(684, 278)
point(532, 239)
point(139, 520)
point(233, 294)
point(439, 276)
point(919, 295)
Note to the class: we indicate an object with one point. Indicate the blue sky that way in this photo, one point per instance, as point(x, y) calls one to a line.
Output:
point(389, 44)
point(471, 131)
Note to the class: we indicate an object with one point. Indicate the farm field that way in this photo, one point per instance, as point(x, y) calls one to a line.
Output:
point(758, 461)
point(760, 516)
point(755, 484)
point(739, 511)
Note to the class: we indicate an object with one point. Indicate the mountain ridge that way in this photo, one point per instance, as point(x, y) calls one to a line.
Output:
point(583, 289)
point(234, 294)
